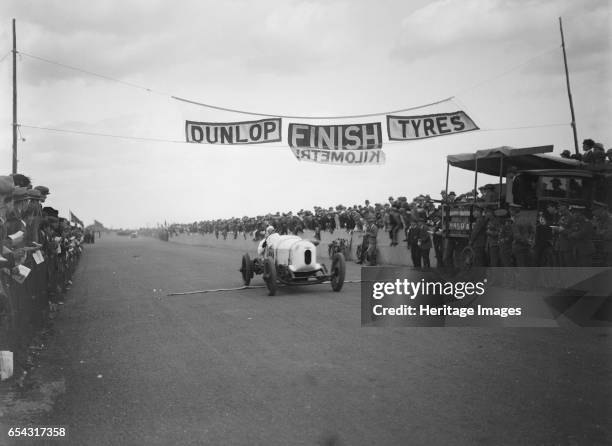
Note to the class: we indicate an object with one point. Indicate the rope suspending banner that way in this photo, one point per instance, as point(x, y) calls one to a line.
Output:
point(228, 109)
point(269, 115)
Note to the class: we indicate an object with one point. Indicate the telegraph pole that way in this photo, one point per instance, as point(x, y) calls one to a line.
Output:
point(14, 99)
point(569, 92)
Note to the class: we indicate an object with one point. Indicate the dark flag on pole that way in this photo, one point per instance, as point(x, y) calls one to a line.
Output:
point(74, 219)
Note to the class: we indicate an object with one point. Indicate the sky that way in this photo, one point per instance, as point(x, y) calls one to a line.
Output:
point(500, 60)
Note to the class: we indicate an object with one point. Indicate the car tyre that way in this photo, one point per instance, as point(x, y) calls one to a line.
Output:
point(246, 270)
point(338, 271)
point(269, 276)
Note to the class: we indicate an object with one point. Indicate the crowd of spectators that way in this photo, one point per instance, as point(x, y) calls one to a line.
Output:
point(393, 216)
point(40, 250)
point(497, 237)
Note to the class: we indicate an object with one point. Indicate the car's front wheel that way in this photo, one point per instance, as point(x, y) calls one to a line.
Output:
point(338, 271)
point(246, 270)
point(269, 276)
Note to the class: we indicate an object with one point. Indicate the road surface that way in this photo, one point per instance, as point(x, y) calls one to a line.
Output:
point(139, 367)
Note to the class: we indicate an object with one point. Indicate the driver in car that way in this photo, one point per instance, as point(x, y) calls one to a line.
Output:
point(270, 234)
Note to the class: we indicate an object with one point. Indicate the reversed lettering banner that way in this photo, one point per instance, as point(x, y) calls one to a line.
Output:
point(343, 157)
point(250, 132)
point(336, 137)
point(402, 128)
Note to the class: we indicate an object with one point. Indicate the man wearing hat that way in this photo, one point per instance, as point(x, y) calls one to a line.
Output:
point(587, 148)
point(451, 197)
point(424, 241)
point(522, 238)
point(505, 239)
point(492, 243)
point(602, 223)
point(6, 192)
point(562, 245)
point(438, 237)
point(395, 222)
point(413, 241)
point(543, 250)
point(478, 237)
point(368, 251)
point(581, 237)
point(44, 192)
point(599, 154)
point(488, 193)
point(557, 191)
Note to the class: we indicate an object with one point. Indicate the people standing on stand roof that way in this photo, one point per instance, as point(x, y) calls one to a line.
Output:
point(593, 152)
point(587, 148)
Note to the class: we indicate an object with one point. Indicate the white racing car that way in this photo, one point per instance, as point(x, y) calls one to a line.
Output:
point(290, 260)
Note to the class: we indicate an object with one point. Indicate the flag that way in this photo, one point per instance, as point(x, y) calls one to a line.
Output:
point(74, 219)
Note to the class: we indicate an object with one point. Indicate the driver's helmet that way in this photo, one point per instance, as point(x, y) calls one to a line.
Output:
point(269, 230)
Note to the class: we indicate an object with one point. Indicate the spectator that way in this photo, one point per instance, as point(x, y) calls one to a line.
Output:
point(424, 241)
point(478, 237)
point(581, 237)
point(587, 148)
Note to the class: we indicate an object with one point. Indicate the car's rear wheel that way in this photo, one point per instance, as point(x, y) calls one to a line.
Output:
point(338, 270)
point(246, 270)
point(269, 276)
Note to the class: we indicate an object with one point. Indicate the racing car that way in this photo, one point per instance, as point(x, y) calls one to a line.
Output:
point(290, 260)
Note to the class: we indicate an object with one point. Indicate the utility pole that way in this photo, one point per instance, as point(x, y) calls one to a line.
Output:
point(569, 92)
point(14, 99)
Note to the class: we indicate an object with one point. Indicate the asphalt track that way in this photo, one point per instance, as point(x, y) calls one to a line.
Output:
point(243, 368)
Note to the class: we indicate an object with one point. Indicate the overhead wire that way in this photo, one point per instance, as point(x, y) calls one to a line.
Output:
point(281, 115)
point(5, 56)
point(268, 146)
point(507, 71)
point(366, 115)
point(227, 109)
point(91, 73)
